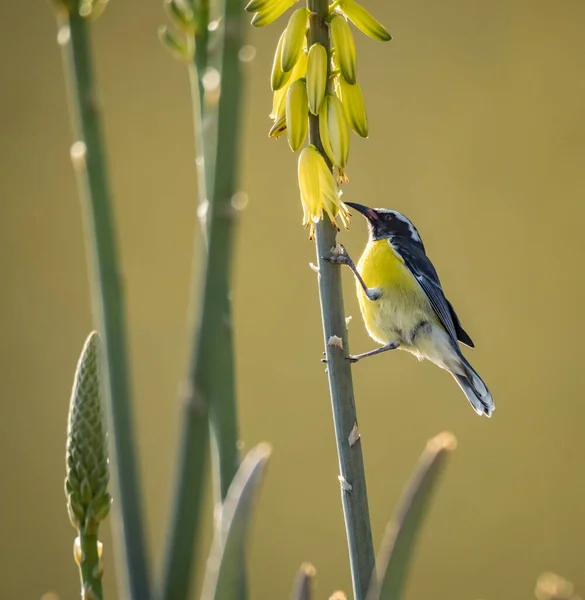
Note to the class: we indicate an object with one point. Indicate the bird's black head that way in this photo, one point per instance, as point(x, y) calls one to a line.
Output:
point(384, 223)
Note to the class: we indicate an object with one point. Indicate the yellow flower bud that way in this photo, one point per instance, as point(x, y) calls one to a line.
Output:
point(316, 77)
point(344, 48)
point(334, 131)
point(363, 20)
point(270, 11)
point(297, 118)
point(353, 102)
point(294, 39)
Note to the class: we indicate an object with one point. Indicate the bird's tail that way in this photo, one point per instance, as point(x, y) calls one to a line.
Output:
point(475, 389)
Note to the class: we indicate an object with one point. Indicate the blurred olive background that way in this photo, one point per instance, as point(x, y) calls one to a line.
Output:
point(476, 133)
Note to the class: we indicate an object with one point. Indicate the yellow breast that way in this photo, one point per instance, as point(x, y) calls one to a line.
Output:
point(381, 267)
point(402, 305)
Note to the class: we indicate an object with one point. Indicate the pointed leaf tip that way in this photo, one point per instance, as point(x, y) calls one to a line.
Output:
point(402, 531)
point(303, 585)
point(224, 564)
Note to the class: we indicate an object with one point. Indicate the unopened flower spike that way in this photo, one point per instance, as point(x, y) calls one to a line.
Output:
point(87, 478)
point(86, 482)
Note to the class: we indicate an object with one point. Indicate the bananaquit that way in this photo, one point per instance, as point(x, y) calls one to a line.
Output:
point(403, 304)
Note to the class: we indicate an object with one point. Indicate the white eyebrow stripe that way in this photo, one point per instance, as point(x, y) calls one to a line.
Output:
point(413, 232)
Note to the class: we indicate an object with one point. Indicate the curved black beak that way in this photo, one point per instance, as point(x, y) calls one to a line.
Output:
point(368, 212)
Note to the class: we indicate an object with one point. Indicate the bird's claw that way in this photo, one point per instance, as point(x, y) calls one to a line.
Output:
point(351, 359)
point(339, 256)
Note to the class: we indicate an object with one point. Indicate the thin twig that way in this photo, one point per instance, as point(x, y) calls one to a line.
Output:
point(352, 475)
point(107, 298)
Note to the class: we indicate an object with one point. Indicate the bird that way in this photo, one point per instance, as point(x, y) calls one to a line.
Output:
point(403, 304)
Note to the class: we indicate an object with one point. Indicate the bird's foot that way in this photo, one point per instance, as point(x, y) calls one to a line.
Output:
point(339, 256)
point(351, 359)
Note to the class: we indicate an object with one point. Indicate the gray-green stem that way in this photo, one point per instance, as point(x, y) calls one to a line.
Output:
point(352, 475)
point(210, 395)
point(107, 298)
point(90, 569)
point(221, 221)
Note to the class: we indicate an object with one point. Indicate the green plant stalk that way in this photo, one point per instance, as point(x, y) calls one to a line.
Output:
point(201, 50)
point(196, 72)
point(192, 471)
point(221, 222)
point(352, 475)
point(107, 301)
point(90, 569)
point(211, 385)
point(223, 409)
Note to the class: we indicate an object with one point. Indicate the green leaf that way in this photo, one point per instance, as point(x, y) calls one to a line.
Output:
point(303, 585)
point(224, 564)
point(401, 533)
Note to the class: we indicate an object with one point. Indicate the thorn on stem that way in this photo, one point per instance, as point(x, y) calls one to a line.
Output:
point(345, 485)
point(335, 341)
point(354, 435)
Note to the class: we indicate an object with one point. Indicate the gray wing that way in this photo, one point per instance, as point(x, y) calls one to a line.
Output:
point(423, 271)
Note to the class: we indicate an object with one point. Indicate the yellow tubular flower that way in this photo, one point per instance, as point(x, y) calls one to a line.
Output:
point(330, 193)
point(316, 77)
point(279, 98)
point(297, 118)
point(363, 20)
point(310, 187)
point(334, 130)
point(318, 190)
point(294, 39)
point(344, 48)
point(353, 102)
point(271, 12)
point(278, 77)
point(259, 5)
point(278, 128)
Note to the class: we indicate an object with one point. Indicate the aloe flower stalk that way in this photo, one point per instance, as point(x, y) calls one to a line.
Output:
point(322, 90)
point(209, 420)
point(88, 154)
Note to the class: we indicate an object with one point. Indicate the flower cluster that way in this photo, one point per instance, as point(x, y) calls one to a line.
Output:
point(321, 82)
